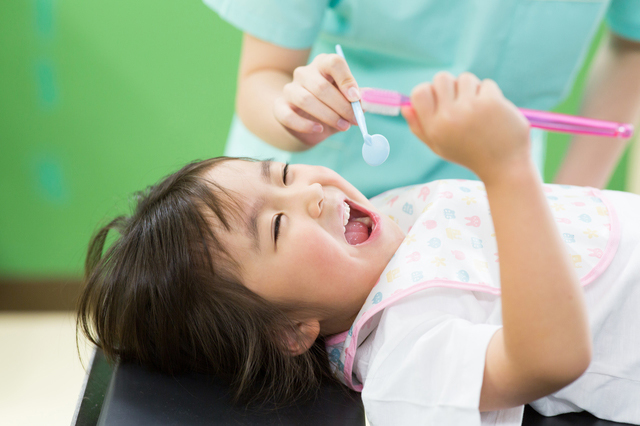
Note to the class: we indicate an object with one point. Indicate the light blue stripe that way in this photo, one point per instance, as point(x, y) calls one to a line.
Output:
point(44, 18)
point(46, 84)
point(49, 177)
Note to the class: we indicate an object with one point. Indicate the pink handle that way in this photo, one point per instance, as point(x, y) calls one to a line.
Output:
point(571, 124)
point(540, 119)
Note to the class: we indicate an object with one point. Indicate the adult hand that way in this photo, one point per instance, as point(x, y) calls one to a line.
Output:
point(316, 103)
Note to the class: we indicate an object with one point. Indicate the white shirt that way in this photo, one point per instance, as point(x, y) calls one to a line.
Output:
point(425, 361)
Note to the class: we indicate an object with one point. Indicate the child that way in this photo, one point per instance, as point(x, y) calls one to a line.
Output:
point(242, 269)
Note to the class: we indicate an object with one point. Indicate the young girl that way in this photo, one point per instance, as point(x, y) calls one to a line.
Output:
point(247, 269)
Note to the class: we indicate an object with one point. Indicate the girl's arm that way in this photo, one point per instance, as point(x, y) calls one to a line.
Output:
point(545, 341)
point(289, 104)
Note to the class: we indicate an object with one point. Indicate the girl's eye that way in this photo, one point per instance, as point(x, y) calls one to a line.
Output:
point(284, 173)
point(276, 228)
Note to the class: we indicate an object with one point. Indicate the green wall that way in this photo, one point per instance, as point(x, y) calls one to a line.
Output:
point(100, 99)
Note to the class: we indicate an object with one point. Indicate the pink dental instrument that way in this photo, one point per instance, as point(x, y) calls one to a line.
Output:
point(386, 102)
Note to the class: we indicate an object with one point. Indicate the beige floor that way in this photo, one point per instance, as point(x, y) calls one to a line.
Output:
point(40, 372)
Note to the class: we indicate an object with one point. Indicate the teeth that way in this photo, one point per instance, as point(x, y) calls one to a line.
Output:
point(365, 220)
point(347, 214)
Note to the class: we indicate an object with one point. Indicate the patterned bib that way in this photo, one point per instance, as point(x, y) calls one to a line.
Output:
point(450, 242)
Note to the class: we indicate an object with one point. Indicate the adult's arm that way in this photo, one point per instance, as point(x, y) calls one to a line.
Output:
point(264, 71)
point(289, 104)
point(612, 93)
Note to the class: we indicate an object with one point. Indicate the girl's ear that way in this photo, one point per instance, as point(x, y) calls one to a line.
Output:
point(300, 340)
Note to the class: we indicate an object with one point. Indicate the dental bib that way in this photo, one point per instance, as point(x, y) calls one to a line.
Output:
point(450, 242)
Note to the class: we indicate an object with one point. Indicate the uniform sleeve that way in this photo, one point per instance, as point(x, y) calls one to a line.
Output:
point(623, 18)
point(429, 374)
point(293, 24)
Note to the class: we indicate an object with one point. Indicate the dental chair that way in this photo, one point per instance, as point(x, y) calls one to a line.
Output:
point(132, 395)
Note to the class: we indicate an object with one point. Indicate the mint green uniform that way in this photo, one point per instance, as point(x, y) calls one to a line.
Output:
point(531, 48)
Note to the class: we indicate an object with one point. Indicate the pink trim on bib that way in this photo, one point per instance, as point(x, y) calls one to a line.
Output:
point(334, 339)
point(351, 350)
point(612, 243)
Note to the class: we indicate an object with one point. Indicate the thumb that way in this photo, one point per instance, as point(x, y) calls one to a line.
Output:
point(424, 100)
point(415, 126)
point(345, 81)
point(349, 89)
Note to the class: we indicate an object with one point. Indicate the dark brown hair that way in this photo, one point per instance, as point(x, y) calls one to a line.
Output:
point(167, 295)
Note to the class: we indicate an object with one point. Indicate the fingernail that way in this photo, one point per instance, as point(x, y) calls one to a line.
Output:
point(317, 128)
point(354, 94)
point(343, 124)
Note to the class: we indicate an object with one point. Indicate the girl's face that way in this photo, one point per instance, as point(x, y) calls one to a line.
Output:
point(290, 240)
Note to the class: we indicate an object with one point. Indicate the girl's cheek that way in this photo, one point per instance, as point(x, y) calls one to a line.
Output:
point(322, 253)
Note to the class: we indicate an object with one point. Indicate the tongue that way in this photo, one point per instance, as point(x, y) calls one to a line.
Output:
point(356, 232)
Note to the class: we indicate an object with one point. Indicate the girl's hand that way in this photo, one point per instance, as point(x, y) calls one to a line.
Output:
point(316, 104)
point(469, 122)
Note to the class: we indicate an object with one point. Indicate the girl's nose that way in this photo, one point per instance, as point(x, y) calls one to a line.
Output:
point(314, 198)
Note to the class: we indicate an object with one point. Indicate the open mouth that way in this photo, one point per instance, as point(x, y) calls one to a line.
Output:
point(358, 225)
